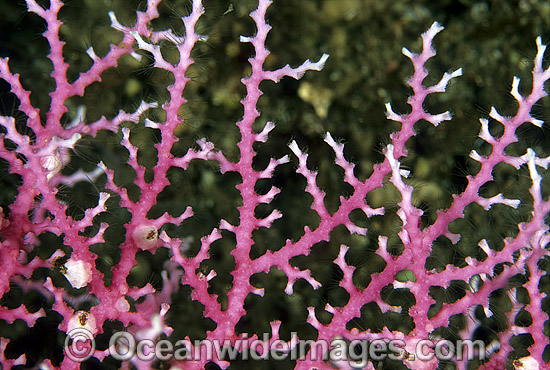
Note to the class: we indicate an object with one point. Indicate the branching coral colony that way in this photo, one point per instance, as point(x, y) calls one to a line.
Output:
point(38, 153)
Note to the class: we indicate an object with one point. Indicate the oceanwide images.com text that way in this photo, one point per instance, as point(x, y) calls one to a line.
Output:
point(123, 346)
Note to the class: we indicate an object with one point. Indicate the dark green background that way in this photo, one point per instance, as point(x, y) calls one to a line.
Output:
point(491, 40)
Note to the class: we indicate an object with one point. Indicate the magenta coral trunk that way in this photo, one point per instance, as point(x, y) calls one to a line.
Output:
point(40, 153)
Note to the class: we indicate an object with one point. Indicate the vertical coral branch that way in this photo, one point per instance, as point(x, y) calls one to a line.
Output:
point(83, 298)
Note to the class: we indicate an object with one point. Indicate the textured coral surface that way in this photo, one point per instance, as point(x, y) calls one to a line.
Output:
point(108, 223)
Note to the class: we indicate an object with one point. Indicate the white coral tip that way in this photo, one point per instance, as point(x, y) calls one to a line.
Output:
point(78, 272)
